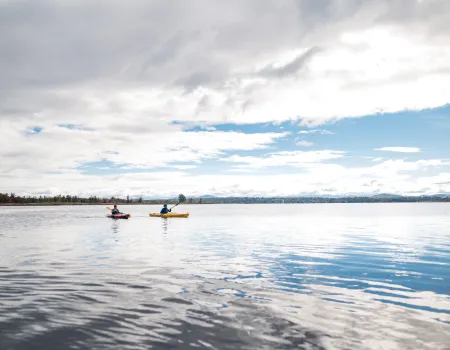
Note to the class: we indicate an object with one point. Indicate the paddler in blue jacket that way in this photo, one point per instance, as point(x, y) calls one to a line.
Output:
point(115, 210)
point(164, 210)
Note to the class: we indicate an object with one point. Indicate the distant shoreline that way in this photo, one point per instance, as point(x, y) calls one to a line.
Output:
point(52, 204)
point(7, 199)
point(334, 201)
point(91, 204)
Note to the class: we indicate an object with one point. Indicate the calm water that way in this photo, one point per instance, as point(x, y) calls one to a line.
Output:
point(350, 276)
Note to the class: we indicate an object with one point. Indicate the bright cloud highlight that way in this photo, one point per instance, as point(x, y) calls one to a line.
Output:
point(399, 149)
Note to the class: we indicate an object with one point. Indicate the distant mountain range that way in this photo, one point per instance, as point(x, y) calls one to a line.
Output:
point(441, 195)
point(389, 195)
point(324, 196)
point(205, 196)
point(378, 196)
point(386, 195)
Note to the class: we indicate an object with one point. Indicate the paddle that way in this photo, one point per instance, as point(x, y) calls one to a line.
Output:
point(181, 199)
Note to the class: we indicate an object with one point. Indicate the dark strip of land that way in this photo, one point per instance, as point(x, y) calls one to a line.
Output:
point(13, 200)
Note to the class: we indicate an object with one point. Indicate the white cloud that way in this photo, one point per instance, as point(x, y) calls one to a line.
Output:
point(391, 167)
point(316, 131)
point(399, 149)
point(183, 167)
point(304, 143)
point(60, 149)
point(318, 178)
point(240, 170)
point(298, 159)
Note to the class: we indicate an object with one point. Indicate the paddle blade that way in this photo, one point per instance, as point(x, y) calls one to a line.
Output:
point(181, 198)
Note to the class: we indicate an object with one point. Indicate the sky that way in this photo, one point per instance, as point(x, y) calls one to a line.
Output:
point(228, 98)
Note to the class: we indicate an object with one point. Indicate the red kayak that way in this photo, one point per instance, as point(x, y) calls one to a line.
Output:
point(119, 216)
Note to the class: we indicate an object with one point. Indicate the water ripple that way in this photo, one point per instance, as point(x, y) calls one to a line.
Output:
point(275, 277)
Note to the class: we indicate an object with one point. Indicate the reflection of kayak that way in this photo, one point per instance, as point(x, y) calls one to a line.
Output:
point(169, 215)
point(119, 216)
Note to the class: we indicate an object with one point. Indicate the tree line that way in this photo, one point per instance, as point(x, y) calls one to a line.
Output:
point(11, 198)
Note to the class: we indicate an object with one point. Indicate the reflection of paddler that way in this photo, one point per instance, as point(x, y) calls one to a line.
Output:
point(165, 225)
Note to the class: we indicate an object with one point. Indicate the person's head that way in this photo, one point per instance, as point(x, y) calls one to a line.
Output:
point(165, 205)
point(115, 206)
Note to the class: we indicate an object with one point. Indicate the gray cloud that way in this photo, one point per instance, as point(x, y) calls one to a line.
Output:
point(291, 68)
point(53, 43)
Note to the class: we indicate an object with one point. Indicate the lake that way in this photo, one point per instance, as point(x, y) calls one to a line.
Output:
point(312, 276)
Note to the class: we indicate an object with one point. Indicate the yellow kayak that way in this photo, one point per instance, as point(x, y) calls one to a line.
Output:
point(169, 215)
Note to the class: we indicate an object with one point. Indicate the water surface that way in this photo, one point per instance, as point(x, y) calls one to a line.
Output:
point(325, 276)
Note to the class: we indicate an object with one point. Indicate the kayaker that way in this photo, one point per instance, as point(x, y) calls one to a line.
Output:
point(115, 210)
point(164, 210)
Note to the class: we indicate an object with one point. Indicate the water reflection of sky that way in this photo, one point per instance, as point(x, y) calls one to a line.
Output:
point(406, 268)
point(401, 250)
point(342, 272)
